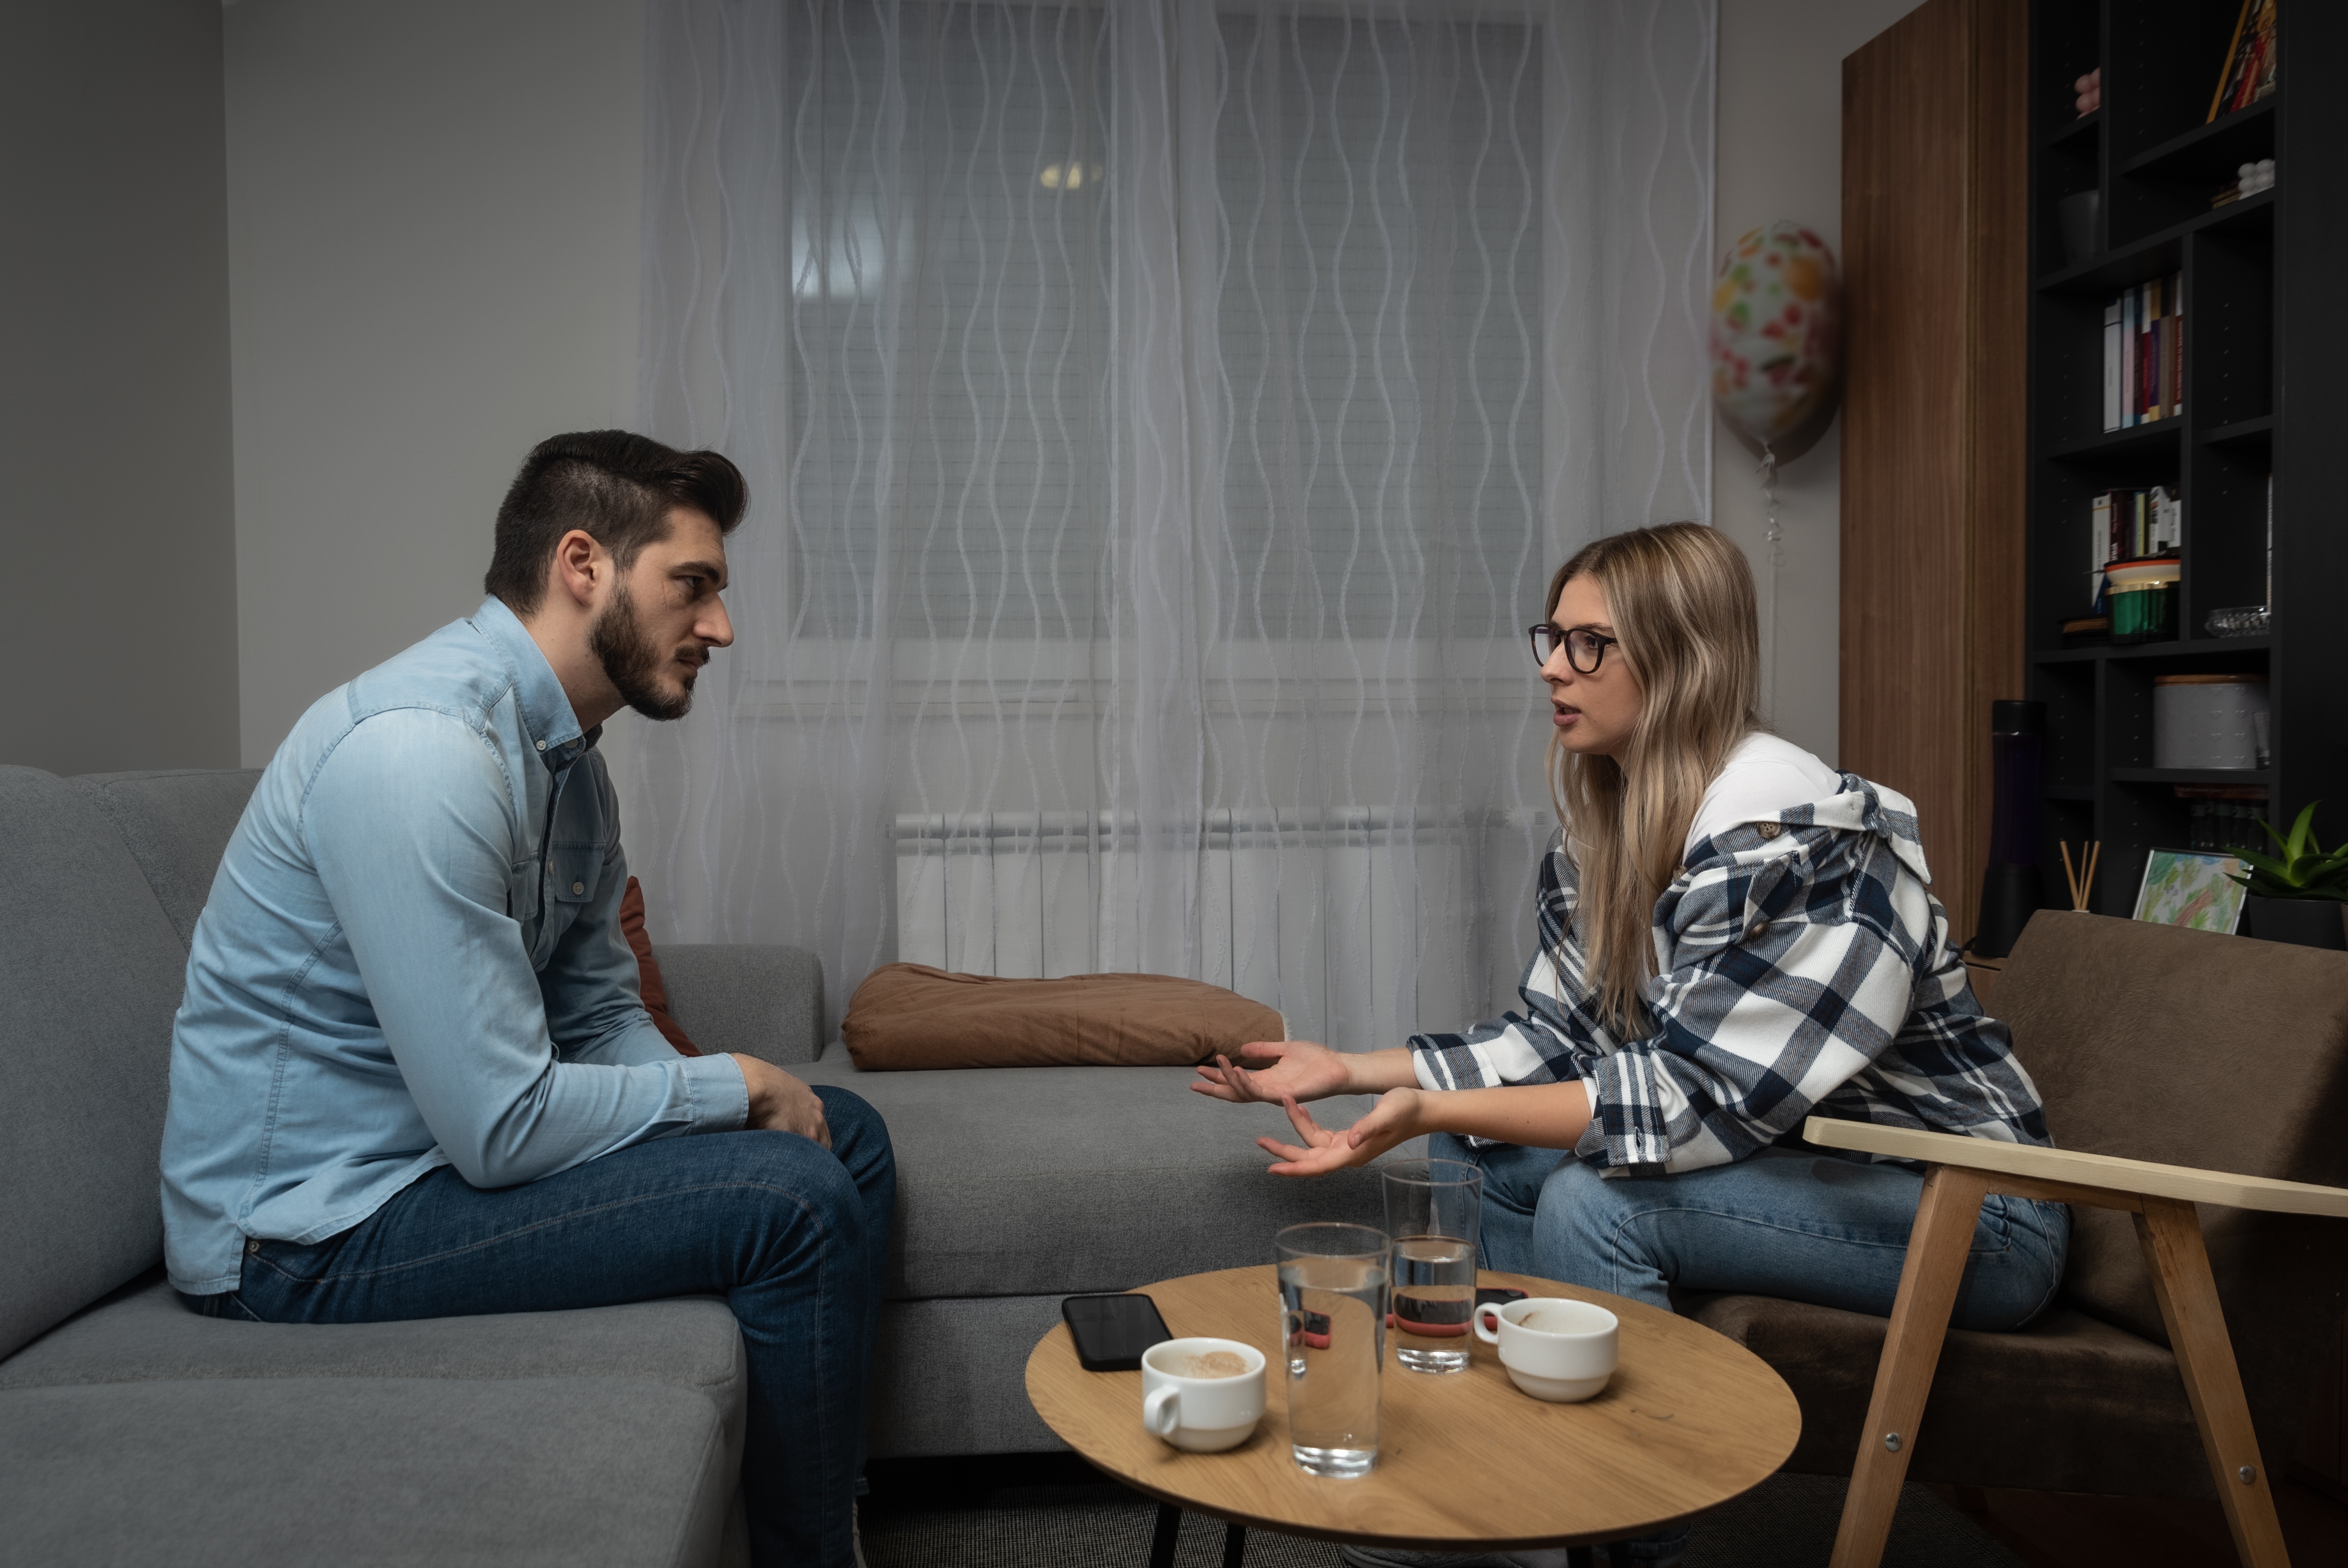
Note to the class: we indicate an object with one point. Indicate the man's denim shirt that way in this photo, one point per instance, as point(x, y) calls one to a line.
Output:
point(412, 957)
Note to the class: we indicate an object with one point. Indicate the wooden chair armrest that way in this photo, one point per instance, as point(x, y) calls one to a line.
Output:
point(2066, 1168)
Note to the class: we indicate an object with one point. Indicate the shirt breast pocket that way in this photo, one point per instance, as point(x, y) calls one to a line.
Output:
point(575, 872)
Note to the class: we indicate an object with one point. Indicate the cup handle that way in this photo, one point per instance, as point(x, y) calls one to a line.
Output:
point(1487, 1322)
point(1161, 1410)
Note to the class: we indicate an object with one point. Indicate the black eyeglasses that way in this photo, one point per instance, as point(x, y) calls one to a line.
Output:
point(1584, 649)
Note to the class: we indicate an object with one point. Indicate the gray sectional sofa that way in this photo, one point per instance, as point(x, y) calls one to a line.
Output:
point(134, 1431)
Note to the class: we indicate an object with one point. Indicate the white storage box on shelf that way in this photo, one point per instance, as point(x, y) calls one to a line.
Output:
point(2209, 721)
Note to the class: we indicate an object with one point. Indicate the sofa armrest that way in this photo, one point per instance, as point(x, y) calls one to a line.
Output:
point(760, 1000)
point(2029, 1164)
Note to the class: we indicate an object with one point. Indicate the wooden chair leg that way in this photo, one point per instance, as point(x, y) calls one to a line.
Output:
point(2170, 1233)
point(1936, 1249)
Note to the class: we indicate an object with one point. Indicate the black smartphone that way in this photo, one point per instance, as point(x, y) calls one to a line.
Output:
point(1487, 1293)
point(1112, 1331)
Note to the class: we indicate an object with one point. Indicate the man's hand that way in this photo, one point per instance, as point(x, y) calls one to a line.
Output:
point(1394, 1118)
point(1285, 1069)
point(781, 1103)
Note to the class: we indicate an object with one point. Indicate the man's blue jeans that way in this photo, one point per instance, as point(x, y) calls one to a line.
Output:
point(1782, 1222)
point(795, 1238)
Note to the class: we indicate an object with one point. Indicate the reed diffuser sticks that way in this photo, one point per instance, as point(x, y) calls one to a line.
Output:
point(2082, 881)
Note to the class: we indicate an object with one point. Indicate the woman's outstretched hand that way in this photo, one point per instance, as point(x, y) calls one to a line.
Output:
point(1284, 1070)
point(1394, 1118)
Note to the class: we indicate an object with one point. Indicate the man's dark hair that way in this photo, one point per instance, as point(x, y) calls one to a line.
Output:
point(618, 487)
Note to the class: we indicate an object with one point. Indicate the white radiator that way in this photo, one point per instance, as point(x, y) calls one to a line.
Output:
point(1360, 924)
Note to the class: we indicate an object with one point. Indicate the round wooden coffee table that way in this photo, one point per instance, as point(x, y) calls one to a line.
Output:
point(1465, 1461)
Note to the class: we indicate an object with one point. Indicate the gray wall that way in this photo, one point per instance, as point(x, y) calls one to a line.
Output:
point(433, 220)
point(1780, 156)
point(117, 587)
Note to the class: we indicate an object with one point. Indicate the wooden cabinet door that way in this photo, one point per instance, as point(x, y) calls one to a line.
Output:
point(1935, 190)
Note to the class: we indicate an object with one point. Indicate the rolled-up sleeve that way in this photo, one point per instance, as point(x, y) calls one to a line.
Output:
point(410, 822)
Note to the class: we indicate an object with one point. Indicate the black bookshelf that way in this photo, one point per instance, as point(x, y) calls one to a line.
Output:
point(2265, 283)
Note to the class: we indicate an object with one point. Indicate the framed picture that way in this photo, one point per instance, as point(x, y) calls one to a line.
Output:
point(2192, 888)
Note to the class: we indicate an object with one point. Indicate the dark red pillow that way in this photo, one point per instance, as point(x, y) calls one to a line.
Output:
point(648, 975)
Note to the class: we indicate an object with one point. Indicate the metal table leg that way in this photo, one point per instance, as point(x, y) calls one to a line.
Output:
point(1169, 1526)
point(1161, 1540)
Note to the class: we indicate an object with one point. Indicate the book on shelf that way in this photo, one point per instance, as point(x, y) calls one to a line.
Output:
point(2252, 67)
point(2129, 530)
point(2144, 354)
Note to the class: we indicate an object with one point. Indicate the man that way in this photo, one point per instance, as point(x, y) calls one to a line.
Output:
point(412, 1077)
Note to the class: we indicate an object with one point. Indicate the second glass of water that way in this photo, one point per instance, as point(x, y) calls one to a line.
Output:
point(1432, 1210)
point(1333, 1311)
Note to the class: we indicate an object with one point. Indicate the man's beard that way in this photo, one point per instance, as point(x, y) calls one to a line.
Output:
point(631, 660)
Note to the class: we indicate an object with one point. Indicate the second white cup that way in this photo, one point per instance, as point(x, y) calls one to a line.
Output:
point(1192, 1397)
point(1553, 1349)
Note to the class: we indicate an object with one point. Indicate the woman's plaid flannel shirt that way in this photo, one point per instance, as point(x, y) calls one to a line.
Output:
point(1802, 966)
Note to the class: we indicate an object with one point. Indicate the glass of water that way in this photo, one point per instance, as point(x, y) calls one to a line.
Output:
point(1433, 1209)
point(1333, 1309)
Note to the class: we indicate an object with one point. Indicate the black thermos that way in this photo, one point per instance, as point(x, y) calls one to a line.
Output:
point(2011, 884)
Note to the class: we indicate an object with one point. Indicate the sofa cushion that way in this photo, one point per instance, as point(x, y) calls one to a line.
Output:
point(2035, 1409)
point(951, 1378)
point(364, 1470)
point(763, 1000)
point(148, 1334)
point(1044, 1180)
point(90, 972)
point(177, 825)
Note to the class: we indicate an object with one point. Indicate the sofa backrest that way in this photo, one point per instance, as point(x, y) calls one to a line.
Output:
point(2153, 1042)
point(177, 825)
point(90, 975)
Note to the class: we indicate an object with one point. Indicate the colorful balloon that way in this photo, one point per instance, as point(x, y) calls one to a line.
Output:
point(1776, 340)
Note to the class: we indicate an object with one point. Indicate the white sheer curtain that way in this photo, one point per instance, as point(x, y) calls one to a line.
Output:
point(1161, 417)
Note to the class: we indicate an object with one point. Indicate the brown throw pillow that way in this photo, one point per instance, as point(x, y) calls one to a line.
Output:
point(648, 975)
point(909, 1015)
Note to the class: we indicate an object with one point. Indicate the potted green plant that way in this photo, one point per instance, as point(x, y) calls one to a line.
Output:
point(2300, 895)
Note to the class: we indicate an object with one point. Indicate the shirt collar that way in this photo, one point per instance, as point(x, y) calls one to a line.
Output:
point(547, 721)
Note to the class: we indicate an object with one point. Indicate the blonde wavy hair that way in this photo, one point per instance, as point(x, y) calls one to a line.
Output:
point(1681, 598)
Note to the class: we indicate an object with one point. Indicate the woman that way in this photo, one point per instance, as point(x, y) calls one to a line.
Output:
point(1732, 936)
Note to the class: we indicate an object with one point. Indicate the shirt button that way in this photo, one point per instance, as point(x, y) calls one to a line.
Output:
point(577, 887)
point(1759, 929)
point(542, 746)
point(1769, 830)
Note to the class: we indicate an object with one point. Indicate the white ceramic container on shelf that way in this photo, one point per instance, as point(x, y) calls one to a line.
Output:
point(2207, 721)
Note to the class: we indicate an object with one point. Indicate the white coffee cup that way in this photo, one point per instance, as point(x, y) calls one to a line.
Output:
point(1554, 1348)
point(1202, 1415)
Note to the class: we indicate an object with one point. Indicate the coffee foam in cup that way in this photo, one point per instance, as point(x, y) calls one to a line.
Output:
point(1212, 1364)
point(1548, 1320)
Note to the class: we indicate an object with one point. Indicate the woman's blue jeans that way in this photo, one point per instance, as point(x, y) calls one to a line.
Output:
point(793, 1235)
point(1782, 1222)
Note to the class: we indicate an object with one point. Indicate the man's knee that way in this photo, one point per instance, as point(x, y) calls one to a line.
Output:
point(859, 1137)
point(793, 1180)
point(849, 1114)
